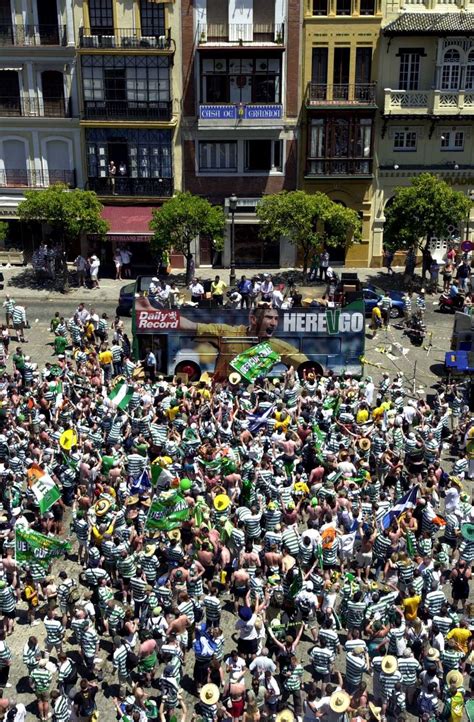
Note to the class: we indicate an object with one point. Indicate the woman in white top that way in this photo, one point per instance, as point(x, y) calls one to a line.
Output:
point(94, 265)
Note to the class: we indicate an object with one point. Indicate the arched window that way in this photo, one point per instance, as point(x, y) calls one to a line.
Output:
point(57, 157)
point(451, 70)
point(469, 84)
point(15, 172)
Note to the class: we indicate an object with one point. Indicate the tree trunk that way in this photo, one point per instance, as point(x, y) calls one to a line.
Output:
point(305, 263)
point(189, 265)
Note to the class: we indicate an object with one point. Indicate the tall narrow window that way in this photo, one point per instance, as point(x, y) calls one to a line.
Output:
point(152, 18)
point(342, 57)
point(319, 74)
point(409, 71)
point(363, 74)
point(101, 17)
point(469, 82)
point(451, 70)
point(367, 7)
point(343, 7)
point(320, 7)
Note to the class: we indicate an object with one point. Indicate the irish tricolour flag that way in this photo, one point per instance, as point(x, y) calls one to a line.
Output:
point(43, 487)
point(120, 395)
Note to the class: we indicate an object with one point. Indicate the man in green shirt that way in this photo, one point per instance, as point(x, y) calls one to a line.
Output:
point(19, 362)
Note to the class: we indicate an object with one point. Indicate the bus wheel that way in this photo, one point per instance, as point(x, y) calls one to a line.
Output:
point(310, 367)
point(190, 368)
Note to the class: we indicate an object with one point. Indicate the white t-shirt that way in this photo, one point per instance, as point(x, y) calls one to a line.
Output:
point(236, 668)
point(247, 629)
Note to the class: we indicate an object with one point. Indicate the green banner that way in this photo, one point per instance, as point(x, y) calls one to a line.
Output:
point(167, 512)
point(32, 546)
point(256, 361)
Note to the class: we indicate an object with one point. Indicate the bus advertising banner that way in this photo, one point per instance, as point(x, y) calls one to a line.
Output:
point(211, 338)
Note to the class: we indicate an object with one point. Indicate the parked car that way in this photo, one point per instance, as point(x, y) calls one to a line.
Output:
point(373, 295)
point(127, 293)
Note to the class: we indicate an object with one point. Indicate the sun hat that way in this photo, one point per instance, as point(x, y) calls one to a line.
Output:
point(209, 694)
point(432, 655)
point(150, 550)
point(389, 664)
point(174, 535)
point(245, 613)
point(131, 500)
point(286, 715)
point(221, 502)
point(102, 507)
point(364, 444)
point(358, 650)
point(339, 701)
point(375, 711)
point(235, 378)
point(467, 531)
point(455, 677)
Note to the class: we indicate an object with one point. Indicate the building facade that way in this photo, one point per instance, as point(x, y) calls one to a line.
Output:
point(39, 105)
point(426, 99)
point(241, 103)
point(338, 122)
point(129, 59)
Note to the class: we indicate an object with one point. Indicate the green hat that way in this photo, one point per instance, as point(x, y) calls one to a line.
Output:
point(467, 531)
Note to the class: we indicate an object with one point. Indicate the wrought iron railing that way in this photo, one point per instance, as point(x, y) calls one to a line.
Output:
point(32, 35)
point(35, 107)
point(126, 186)
point(338, 166)
point(357, 93)
point(127, 110)
point(125, 38)
point(22, 178)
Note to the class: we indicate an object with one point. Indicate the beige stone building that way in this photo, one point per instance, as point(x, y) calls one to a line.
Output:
point(426, 100)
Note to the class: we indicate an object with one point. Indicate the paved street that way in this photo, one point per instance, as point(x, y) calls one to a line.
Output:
point(418, 364)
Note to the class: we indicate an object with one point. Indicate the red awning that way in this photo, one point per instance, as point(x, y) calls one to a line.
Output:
point(128, 219)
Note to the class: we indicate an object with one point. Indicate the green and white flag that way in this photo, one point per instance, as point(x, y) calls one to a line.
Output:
point(32, 546)
point(121, 395)
point(167, 511)
point(256, 361)
point(43, 487)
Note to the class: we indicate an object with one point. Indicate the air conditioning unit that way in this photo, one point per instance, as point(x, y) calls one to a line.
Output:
point(108, 41)
point(149, 41)
point(90, 41)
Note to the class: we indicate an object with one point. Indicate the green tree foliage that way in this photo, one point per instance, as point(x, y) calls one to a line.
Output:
point(308, 221)
point(69, 213)
point(421, 210)
point(3, 231)
point(181, 220)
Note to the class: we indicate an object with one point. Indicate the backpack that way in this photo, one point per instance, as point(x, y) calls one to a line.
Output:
point(132, 660)
point(425, 705)
point(72, 676)
point(73, 595)
point(87, 705)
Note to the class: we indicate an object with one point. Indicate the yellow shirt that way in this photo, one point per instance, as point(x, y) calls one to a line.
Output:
point(105, 357)
point(289, 354)
point(410, 606)
point(460, 636)
point(362, 416)
point(218, 288)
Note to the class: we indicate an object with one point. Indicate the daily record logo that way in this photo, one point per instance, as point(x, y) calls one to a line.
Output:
point(332, 321)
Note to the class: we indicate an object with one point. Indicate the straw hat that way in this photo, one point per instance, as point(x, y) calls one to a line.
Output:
point(131, 500)
point(150, 550)
point(235, 378)
point(432, 655)
point(286, 715)
point(102, 507)
point(455, 677)
point(174, 535)
point(389, 664)
point(364, 444)
point(145, 502)
point(375, 711)
point(221, 502)
point(339, 701)
point(209, 694)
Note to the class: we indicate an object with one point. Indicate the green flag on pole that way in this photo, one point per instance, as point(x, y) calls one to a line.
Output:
point(167, 511)
point(43, 487)
point(121, 395)
point(32, 546)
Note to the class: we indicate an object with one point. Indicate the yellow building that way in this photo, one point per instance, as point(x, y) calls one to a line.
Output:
point(340, 50)
point(130, 85)
point(426, 100)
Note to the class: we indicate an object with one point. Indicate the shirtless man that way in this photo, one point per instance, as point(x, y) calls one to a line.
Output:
point(239, 580)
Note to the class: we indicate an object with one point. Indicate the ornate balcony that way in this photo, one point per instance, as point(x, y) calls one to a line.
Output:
point(127, 110)
point(126, 186)
point(36, 35)
point(124, 39)
point(342, 94)
point(241, 34)
point(429, 102)
point(21, 178)
point(34, 107)
point(320, 167)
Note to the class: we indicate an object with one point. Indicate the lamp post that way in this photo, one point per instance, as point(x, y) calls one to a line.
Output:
point(233, 200)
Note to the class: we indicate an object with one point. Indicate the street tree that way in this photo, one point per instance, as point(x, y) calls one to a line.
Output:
point(69, 213)
point(424, 209)
point(309, 222)
point(180, 220)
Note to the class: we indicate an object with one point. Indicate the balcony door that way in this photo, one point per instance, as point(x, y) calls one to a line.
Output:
point(48, 28)
point(52, 82)
point(101, 17)
point(241, 20)
point(10, 103)
point(342, 58)
point(6, 28)
point(14, 158)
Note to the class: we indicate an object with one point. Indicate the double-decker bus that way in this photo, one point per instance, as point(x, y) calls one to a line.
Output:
point(194, 340)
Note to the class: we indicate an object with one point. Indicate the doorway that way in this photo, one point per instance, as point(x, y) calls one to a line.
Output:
point(53, 94)
point(252, 250)
point(48, 22)
point(10, 103)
